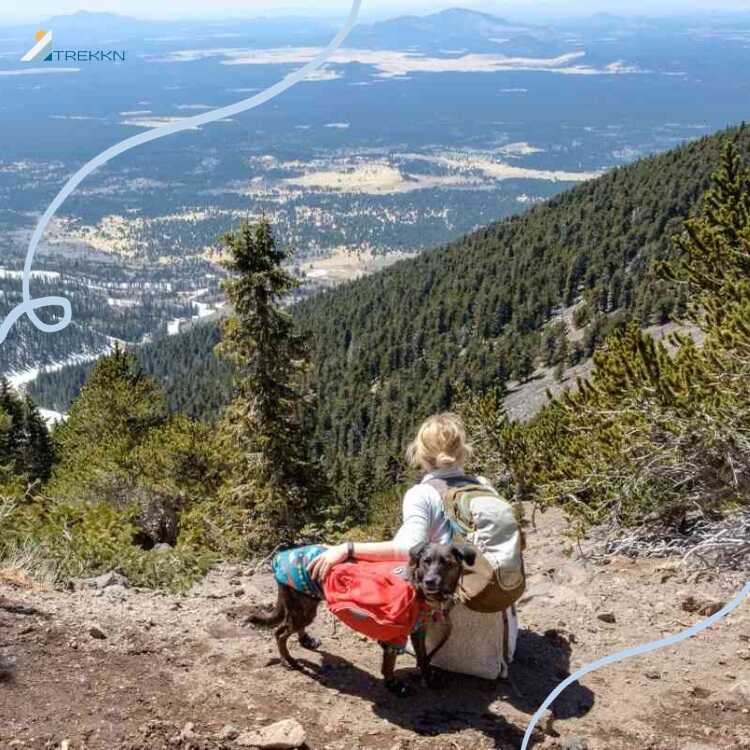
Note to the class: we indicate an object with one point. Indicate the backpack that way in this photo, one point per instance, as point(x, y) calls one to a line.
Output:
point(373, 599)
point(483, 518)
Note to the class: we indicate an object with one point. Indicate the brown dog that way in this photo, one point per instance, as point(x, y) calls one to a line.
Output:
point(434, 570)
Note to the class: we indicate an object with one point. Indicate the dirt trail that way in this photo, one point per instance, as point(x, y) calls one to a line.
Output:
point(168, 662)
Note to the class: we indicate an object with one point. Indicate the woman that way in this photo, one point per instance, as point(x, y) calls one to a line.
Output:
point(482, 644)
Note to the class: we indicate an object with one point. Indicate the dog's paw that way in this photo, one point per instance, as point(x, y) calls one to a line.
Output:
point(309, 642)
point(434, 679)
point(398, 688)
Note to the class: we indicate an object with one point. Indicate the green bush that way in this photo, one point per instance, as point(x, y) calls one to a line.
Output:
point(87, 540)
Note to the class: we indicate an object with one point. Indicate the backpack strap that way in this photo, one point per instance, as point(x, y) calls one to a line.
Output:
point(457, 494)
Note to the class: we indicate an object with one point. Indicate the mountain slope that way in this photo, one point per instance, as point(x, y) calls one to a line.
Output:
point(388, 349)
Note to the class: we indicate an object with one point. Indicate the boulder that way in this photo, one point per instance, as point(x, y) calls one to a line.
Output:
point(98, 583)
point(228, 732)
point(283, 735)
point(156, 522)
point(116, 592)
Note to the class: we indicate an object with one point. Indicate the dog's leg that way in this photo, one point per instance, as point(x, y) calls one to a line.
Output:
point(418, 640)
point(424, 659)
point(282, 636)
point(389, 665)
point(303, 613)
point(308, 641)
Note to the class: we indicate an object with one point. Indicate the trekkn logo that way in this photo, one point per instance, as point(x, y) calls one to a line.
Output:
point(42, 50)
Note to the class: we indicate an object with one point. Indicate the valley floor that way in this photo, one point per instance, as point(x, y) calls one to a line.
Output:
point(173, 671)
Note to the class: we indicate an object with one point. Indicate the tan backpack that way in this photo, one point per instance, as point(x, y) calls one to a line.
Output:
point(480, 516)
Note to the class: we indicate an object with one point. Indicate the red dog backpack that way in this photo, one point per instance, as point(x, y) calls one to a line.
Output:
point(372, 599)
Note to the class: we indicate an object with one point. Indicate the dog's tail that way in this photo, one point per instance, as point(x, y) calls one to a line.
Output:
point(268, 619)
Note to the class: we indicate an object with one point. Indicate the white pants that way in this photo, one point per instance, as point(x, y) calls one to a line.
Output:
point(480, 645)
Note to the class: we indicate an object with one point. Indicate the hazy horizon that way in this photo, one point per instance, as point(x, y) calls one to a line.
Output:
point(38, 10)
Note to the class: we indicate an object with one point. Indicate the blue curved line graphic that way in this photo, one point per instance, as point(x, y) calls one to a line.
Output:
point(635, 651)
point(29, 305)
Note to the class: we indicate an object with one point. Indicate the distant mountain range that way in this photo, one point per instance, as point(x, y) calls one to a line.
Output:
point(458, 30)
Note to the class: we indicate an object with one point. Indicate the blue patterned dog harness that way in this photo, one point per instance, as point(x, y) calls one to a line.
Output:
point(290, 568)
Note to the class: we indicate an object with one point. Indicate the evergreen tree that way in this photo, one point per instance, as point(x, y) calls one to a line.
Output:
point(25, 445)
point(117, 408)
point(270, 472)
point(38, 452)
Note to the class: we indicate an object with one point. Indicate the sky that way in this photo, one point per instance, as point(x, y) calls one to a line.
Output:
point(36, 10)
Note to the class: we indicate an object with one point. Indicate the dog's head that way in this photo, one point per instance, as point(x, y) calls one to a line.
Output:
point(435, 569)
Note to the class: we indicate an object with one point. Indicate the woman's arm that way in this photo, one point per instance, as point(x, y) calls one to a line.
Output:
point(374, 551)
point(414, 529)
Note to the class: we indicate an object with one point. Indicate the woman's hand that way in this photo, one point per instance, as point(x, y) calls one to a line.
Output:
point(321, 565)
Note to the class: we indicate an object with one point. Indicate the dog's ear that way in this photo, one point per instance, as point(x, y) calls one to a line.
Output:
point(465, 553)
point(416, 552)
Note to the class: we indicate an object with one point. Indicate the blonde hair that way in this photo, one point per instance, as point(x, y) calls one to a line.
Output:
point(440, 442)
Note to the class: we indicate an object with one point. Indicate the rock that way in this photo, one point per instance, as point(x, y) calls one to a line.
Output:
point(607, 617)
point(653, 675)
point(283, 735)
point(229, 732)
point(156, 522)
point(574, 743)
point(554, 596)
point(741, 692)
point(162, 547)
point(187, 732)
point(547, 723)
point(700, 605)
point(7, 666)
point(116, 592)
point(101, 582)
point(96, 631)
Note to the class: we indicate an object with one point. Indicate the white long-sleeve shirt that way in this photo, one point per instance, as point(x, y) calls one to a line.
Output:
point(424, 519)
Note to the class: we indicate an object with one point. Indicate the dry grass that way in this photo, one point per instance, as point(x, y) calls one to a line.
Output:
point(19, 579)
point(23, 565)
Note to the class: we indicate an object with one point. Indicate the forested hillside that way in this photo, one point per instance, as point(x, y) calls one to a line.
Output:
point(656, 439)
point(390, 348)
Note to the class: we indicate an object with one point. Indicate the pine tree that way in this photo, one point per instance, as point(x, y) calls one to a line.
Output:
point(115, 411)
point(25, 445)
point(271, 474)
point(38, 450)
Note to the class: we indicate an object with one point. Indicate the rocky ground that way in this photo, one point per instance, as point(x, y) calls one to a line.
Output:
point(106, 667)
